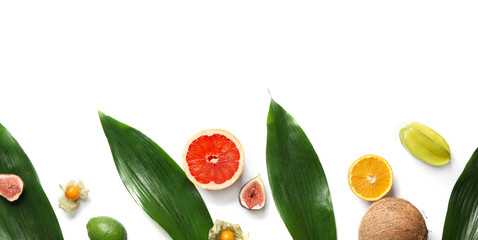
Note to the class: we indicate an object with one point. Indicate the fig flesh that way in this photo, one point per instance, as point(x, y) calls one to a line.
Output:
point(252, 195)
point(11, 186)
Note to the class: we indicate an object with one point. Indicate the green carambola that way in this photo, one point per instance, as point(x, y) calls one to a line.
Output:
point(156, 182)
point(297, 180)
point(31, 216)
point(462, 216)
point(425, 144)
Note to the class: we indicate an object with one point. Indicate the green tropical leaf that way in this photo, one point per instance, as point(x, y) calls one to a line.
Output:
point(156, 182)
point(462, 216)
point(30, 216)
point(297, 180)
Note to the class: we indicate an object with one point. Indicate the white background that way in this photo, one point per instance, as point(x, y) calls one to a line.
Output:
point(352, 73)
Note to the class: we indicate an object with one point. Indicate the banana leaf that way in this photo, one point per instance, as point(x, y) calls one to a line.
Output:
point(461, 220)
point(156, 182)
point(298, 182)
point(30, 216)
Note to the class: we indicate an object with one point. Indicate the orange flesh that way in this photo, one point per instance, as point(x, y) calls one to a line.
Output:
point(72, 192)
point(227, 235)
point(213, 158)
point(370, 177)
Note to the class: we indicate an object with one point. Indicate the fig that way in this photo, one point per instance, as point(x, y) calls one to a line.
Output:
point(11, 186)
point(252, 195)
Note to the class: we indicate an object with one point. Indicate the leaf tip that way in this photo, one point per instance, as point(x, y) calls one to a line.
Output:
point(270, 95)
point(102, 116)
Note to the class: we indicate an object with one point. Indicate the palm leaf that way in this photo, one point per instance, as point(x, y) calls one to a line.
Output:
point(298, 183)
point(462, 216)
point(157, 184)
point(31, 216)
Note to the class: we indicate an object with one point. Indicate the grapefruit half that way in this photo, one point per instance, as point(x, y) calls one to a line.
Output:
point(213, 159)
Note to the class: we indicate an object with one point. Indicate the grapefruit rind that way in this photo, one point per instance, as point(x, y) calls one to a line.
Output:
point(212, 185)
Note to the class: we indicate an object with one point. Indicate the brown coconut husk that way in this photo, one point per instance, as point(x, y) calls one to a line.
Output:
point(393, 219)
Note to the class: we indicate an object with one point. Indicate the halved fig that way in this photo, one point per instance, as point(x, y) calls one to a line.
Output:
point(11, 186)
point(252, 195)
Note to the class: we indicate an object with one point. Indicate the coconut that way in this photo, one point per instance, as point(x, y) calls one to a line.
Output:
point(393, 218)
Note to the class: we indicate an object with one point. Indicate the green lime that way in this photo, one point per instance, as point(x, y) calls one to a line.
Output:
point(105, 228)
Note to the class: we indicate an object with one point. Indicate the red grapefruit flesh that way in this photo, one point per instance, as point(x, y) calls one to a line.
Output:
point(213, 159)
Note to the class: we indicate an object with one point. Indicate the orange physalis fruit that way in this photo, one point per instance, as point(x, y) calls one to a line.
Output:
point(227, 235)
point(72, 192)
point(370, 177)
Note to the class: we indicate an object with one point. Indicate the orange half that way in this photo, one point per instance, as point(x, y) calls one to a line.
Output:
point(370, 177)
